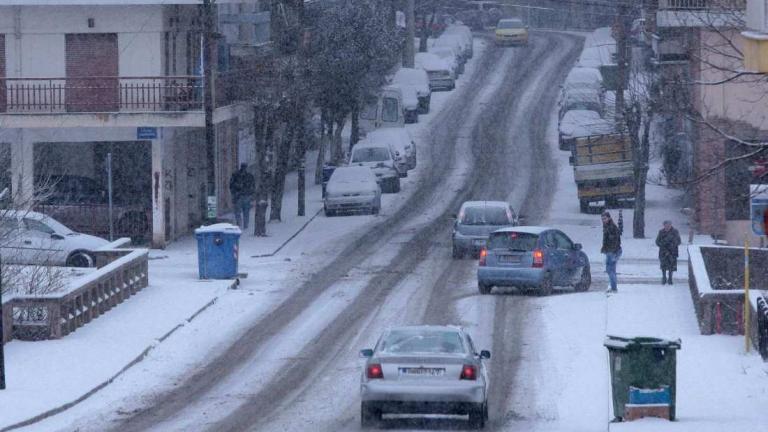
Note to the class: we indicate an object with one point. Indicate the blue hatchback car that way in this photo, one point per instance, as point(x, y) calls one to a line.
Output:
point(529, 257)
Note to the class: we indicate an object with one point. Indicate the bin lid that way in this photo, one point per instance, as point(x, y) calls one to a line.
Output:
point(224, 228)
point(624, 343)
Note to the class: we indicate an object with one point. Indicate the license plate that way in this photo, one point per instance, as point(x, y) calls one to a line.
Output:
point(422, 371)
point(509, 258)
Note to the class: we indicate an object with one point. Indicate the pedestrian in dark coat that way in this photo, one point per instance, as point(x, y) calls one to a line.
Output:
point(668, 240)
point(241, 186)
point(611, 248)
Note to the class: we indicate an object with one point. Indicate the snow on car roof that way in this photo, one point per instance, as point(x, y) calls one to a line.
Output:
point(391, 132)
point(431, 62)
point(352, 172)
point(369, 143)
point(603, 35)
point(584, 74)
point(581, 123)
point(449, 328)
point(525, 229)
point(410, 76)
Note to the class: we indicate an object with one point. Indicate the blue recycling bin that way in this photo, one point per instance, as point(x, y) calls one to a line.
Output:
point(217, 251)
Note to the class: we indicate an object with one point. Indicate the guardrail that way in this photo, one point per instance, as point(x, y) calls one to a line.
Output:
point(121, 273)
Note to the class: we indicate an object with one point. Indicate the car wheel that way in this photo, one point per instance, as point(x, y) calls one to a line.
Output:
point(484, 288)
point(477, 417)
point(546, 286)
point(586, 280)
point(370, 416)
point(80, 259)
point(485, 411)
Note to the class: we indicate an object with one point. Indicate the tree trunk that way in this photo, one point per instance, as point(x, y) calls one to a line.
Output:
point(338, 148)
point(259, 130)
point(641, 176)
point(281, 168)
point(355, 132)
point(301, 155)
point(264, 176)
point(325, 132)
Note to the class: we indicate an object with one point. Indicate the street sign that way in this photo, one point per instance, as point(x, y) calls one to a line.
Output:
point(758, 209)
point(146, 133)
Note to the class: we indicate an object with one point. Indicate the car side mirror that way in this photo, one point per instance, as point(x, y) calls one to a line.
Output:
point(55, 236)
point(485, 354)
point(366, 353)
point(577, 246)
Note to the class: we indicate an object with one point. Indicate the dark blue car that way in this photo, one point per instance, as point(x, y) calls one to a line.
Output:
point(532, 258)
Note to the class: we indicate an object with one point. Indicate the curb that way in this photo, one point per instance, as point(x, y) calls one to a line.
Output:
point(285, 243)
point(110, 380)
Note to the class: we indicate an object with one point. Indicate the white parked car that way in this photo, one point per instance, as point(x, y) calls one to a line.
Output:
point(410, 103)
point(33, 238)
point(584, 77)
point(456, 45)
point(400, 140)
point(448, 55)
point(581, 99)
point(380, 158)
point(352, 188)
point(465, 34)
point(418, 80)
point(382, 110)
point(582, 123)
point(440, 72)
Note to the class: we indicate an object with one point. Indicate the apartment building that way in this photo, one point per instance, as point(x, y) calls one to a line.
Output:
point(84, 81)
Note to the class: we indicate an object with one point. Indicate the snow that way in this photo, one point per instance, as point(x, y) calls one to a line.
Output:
point(204, 316)
point(227, 228)
point(431, 62)
point(582, 123)
point(352, 179)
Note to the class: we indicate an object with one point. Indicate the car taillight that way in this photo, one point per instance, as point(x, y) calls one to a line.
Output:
point(538, 258)
point(468, 372)
point(483, 256)
point(374, 371)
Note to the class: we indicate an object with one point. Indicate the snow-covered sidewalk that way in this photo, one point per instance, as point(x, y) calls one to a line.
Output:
point(719, 387)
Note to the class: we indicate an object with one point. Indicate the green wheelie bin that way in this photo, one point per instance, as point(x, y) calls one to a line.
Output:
point(641, 362)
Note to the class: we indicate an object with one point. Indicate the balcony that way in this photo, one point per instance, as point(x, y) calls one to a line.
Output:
point(100, 95)
point(700, 13)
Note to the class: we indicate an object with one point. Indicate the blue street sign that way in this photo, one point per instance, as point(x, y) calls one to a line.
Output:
point(146, 133)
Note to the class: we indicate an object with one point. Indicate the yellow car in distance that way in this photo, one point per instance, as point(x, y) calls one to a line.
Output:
point(511, 31)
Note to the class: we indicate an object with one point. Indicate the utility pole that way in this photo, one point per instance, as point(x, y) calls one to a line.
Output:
point(208, 100)
point(2, 339)
point(622, 55)
point(409, 55)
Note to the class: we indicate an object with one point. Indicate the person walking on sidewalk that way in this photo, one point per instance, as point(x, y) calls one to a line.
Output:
point(668, 240)
point(611, 248)
point(241, 186)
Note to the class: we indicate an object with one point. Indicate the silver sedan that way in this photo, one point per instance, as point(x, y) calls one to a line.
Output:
point(424, 370)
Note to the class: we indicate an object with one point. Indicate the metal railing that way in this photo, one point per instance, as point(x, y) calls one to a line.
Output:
point(684, 4)
point(101, 94)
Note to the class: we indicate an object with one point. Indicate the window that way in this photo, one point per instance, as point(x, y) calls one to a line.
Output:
point(515, 241)
point(370, 154)
point(389, 110)
point(369, 109)
point(485, 216)
point(36, 225)
point(549, 240)
point(421, 341)
point(562, 241)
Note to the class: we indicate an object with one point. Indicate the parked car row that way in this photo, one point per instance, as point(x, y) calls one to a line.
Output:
point(376, 165)
point(601, 157)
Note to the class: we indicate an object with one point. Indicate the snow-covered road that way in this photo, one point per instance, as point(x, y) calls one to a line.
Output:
point(295, 367)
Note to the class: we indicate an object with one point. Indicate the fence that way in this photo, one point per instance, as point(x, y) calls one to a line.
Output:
point(121, 273)
point(101, 94)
